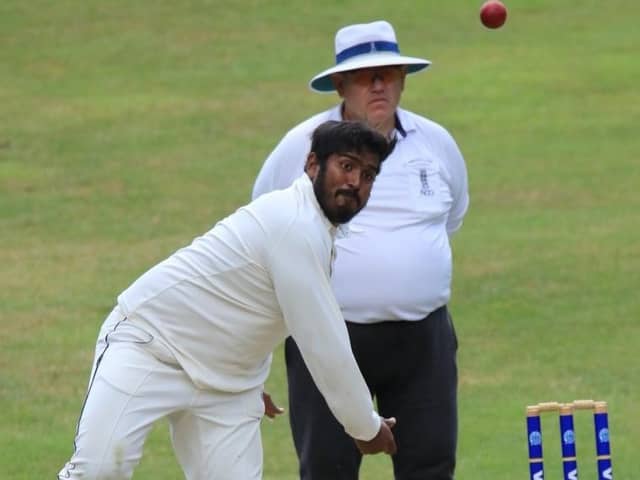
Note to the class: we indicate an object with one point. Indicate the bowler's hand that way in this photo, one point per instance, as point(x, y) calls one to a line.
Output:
point(270, 408)
point(382, 442)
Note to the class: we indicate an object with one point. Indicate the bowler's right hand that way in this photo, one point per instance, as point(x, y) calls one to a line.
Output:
point(382, 442)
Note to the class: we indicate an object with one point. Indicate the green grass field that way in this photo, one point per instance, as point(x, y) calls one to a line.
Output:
point(128, 128)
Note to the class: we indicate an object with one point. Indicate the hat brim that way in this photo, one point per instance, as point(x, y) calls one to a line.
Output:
point(322, 82)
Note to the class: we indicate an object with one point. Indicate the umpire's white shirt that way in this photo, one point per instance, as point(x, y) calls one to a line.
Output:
point(396, 262)
point(222, 304)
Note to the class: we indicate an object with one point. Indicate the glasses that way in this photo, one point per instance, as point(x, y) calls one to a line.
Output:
point(366, 76)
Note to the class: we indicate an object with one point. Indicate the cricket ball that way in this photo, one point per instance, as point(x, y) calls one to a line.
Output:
point(493, 14)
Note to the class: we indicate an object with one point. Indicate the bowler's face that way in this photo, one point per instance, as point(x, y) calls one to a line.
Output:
point(343, 185)
point(371, 94)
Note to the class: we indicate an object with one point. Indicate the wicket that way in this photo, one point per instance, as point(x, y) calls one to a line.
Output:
point(567, 438)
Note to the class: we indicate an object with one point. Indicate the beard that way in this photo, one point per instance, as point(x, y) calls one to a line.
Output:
point(336, 214)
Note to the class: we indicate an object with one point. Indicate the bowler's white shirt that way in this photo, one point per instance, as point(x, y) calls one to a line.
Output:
point(396, 262)
point(222, 304)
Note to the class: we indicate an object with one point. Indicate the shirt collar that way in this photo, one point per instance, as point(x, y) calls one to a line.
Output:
point(404, 123)
point(399, 128)
point(342, 231)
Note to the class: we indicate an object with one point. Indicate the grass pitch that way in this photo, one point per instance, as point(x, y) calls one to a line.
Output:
point(127, 128)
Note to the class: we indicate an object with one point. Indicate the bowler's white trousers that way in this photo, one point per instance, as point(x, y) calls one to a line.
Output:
point(133, 383)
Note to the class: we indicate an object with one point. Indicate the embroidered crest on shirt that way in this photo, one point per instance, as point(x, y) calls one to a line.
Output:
point(425, 188)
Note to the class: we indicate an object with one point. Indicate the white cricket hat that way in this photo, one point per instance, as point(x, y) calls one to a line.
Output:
point(365, 45)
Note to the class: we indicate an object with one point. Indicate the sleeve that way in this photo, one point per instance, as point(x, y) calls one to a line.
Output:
point(457, 173)
point(300, 274)
point(284, 164)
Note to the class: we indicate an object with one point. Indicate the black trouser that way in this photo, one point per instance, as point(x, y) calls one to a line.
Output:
point(410, 368)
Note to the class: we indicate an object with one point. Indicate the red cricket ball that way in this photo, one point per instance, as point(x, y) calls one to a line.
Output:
point(493, 14)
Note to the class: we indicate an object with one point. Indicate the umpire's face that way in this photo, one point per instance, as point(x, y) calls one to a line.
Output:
point(371, 95)
point(343, 183)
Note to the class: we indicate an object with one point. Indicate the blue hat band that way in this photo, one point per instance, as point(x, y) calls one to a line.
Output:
point(367, 47)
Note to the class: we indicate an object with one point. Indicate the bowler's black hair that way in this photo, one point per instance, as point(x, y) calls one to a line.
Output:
point(339, 137)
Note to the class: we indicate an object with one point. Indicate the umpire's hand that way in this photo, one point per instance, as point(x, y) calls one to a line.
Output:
point(382, 442)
